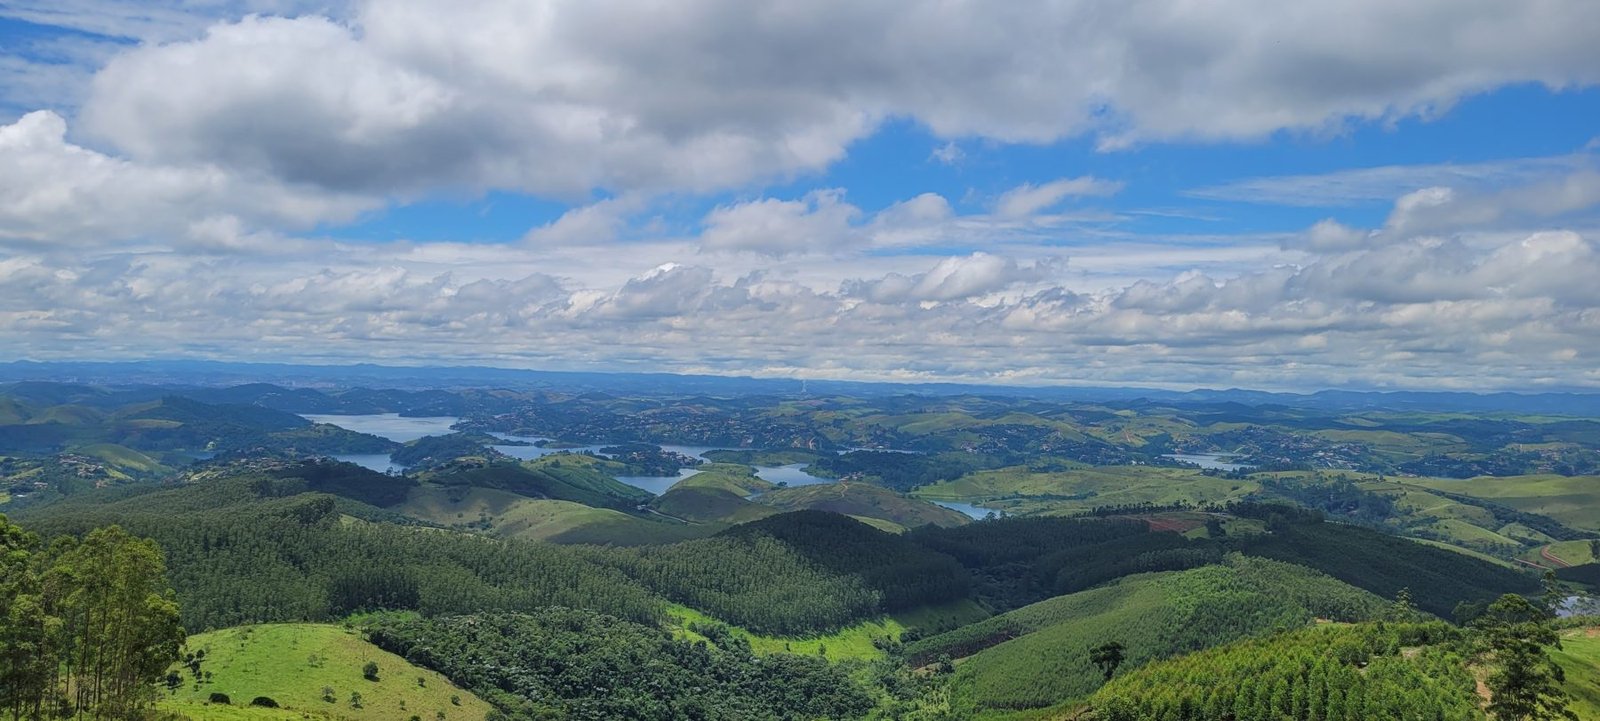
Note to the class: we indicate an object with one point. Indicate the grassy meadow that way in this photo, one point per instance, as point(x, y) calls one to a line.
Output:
point(509, 515)
point(1579, 658)
point(1020, 491)
point(294, 663)
point(854, 642)
point(1572, 500)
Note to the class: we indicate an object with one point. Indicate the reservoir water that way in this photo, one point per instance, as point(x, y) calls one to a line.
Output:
point(402, 429)
point(392, 426)
point(790, 475)
point(1207, 460)
point(657, 484)
point(528, 453)
point(967, 508)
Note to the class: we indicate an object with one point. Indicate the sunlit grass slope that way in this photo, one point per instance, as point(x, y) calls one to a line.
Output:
point(293, 663)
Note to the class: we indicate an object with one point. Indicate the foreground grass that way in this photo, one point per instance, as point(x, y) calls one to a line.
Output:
point(293, 663)
point(190, 710)
point(1580, 659)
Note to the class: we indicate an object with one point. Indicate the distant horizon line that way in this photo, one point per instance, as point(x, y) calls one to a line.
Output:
point(930, 383)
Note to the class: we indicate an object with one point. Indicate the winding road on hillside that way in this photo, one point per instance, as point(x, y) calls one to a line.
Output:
point(1544, 552)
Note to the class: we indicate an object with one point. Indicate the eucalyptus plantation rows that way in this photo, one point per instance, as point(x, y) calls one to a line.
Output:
point(88, 626)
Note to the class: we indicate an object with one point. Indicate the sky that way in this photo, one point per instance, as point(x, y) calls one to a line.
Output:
point(1361, 194)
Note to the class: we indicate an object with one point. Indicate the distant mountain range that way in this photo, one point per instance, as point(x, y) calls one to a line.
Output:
point(220, 373)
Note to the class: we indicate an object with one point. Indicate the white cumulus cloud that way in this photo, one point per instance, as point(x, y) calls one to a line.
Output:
point(559, 98)
point(55, 193)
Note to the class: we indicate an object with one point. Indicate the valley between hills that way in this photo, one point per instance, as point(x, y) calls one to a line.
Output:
point(517, 554)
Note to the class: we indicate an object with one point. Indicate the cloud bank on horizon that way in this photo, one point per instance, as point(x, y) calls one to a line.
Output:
point(1331, 193)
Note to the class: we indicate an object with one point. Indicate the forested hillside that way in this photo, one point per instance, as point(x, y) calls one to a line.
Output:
point(580, 665)
point(1339, 673)
point(225, 544)
point(550, 581)
point(1036, 656)
point(1439, 579)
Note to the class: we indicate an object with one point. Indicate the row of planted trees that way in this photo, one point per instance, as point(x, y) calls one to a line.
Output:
point(86, 626)
point(1404, 668)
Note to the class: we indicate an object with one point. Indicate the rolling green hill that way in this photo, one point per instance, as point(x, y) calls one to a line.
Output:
point(510, 515)
point(1384, 564)
point(497, 512)
point(554, 590)
point(67, 415)
point(169, 423)
point(734, 478)
point(13, 411)
point(861, 499)
point(1365, 671)
point(719, 494)
point(558, 663)
point(187, 411)
point(568, 477)
point(1561, 553)
point(904, 573)
point(228, 538)
point(1572, 500)
point(293, 664)
point(121, 458)
point(709, 504)
point(1036, 656)
point(1018, 490)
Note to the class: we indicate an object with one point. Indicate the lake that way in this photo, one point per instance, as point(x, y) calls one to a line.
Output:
point(528, 453)
point(657, 484)
point(790, 475)
point(967, 508)
point(392, 426)
point(1207, 460)
point(401, 429)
